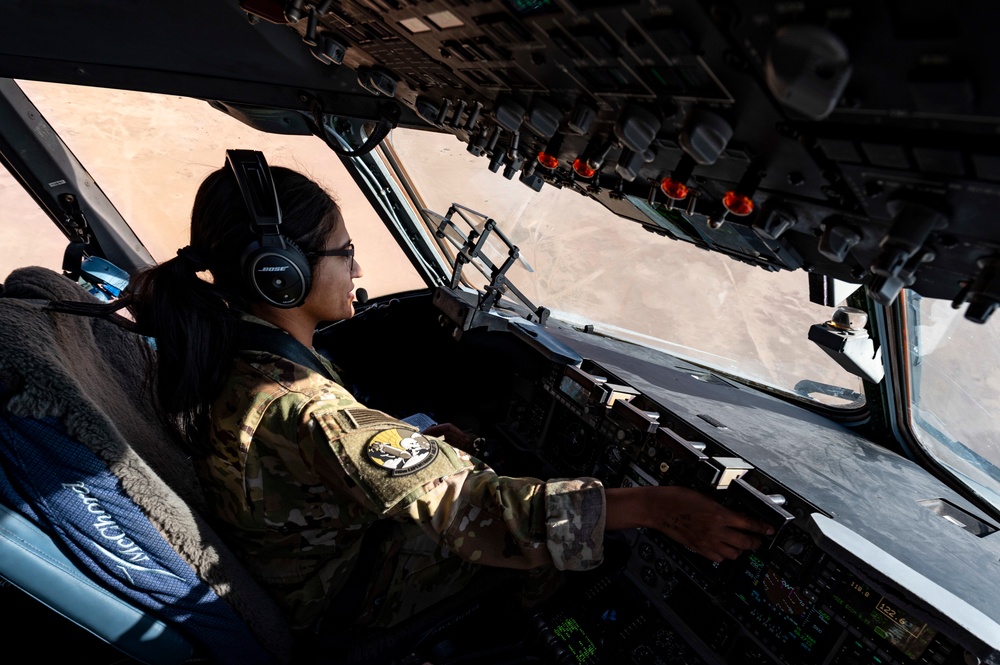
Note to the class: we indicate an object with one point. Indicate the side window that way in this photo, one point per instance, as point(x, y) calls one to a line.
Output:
point(149, 153)
point(27, 236)
point(954, 390)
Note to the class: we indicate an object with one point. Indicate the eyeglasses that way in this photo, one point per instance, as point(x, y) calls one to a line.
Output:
point(347, 251)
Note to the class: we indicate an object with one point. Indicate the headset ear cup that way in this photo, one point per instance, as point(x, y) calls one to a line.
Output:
point(299, 257)
point(278, 275)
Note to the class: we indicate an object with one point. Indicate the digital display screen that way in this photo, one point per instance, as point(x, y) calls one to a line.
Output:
point(782, 610)
point(883, 618)
point(530, 7)
point(575, 390)
point(575, 640)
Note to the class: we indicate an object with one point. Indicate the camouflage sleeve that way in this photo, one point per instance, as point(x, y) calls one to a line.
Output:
point(463, 504)
point(515, 522)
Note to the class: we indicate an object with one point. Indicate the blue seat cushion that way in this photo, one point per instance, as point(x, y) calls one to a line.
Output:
point(70, 494)
point(34, 563)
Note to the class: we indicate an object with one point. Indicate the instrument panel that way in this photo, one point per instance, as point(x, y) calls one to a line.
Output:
point(789, 602)
point(874, 561)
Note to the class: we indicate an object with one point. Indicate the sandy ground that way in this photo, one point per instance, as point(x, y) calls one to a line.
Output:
point(149, 153)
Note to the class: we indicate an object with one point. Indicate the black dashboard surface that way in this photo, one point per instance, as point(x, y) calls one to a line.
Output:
point(875, 493)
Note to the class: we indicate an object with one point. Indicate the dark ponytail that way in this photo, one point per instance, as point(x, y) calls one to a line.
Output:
point(192, 319)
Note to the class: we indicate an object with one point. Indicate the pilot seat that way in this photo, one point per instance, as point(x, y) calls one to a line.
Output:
point(100, 511)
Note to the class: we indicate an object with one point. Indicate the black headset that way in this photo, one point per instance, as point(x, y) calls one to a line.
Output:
point(273, 266)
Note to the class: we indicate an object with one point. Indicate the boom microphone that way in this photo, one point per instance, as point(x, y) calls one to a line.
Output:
point(360, 298)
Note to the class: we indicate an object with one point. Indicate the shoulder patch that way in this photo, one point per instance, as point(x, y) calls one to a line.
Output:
point(401, 453)
point(388, 459)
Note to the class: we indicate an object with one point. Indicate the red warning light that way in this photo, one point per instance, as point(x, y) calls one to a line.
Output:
point(673, 189)
point(738, 204)
point(547, 160)
point(582, 168)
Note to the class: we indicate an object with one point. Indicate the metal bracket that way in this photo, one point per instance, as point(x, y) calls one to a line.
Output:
point(471, 250)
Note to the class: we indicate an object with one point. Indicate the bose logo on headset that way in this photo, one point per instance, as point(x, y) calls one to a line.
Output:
point(271, 252)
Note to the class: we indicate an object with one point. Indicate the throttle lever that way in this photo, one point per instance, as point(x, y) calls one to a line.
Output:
point(745, 498)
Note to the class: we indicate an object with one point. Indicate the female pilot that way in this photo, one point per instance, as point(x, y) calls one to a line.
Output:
point(298, 472)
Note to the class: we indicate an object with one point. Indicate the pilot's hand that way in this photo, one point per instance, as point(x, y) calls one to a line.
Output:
point(450, 433)
point(687, 516)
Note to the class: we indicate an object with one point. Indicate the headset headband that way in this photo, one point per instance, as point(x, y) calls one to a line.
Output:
point(254, 178)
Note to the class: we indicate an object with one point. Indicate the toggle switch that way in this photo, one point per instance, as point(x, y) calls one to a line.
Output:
point(837, 240)
point(636, 128)
point(913, 222)
point(704, 135)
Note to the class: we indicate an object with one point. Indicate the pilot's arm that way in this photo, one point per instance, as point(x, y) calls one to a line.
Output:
point(689, 517)
point(389, 469)
point(502, 521)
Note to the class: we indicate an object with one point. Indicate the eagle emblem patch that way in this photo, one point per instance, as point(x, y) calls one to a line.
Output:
point(401, 452)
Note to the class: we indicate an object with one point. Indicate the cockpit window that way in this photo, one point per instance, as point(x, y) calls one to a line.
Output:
point(591, 267)
point(150, 152)
point(29, 236)
point(954, 391)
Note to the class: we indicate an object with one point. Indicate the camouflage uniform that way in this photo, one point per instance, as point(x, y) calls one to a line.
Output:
point(300, 470)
